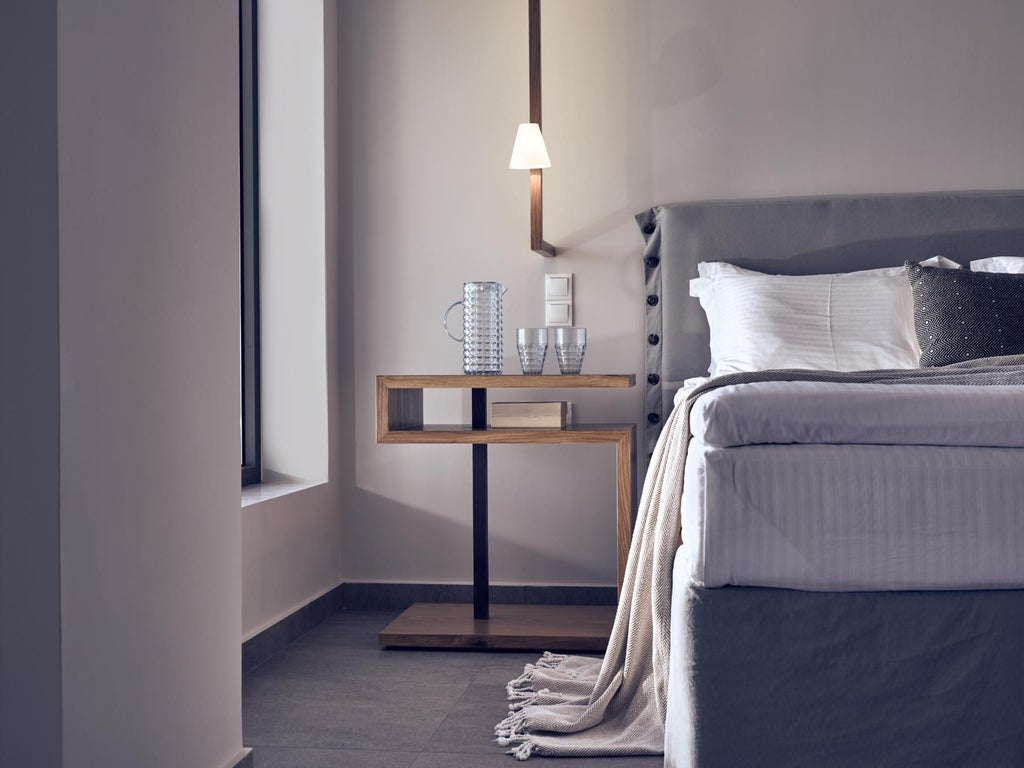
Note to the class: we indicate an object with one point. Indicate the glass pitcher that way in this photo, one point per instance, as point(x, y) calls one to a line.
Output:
point(481, 327)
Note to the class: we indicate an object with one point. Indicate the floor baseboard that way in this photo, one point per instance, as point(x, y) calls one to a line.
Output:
point(260, 647)
point(366, 596)
point(380, 596)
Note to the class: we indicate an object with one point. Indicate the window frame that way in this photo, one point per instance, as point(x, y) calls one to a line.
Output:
point(249, 241)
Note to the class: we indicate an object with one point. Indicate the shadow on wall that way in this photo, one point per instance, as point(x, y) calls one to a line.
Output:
point(686, 67)
point(683, 69)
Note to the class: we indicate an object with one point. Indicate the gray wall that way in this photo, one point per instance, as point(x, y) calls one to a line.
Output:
point(645, 101)
point(150, 448)
point(30, 719)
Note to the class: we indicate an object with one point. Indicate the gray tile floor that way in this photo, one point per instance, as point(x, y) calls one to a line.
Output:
point(332, 699)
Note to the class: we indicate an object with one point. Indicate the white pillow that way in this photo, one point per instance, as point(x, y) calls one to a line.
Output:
point(843, 322)
point(1014, 264)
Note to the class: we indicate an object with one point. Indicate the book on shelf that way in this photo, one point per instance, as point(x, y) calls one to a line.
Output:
point(546, 415)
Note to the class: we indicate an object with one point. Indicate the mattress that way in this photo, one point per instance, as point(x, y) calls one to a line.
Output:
point(848, 487)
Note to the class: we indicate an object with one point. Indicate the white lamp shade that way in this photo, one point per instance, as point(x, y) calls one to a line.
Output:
point(529, 150)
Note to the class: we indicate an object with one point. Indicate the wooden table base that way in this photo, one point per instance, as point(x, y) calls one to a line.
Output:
point(510, 627)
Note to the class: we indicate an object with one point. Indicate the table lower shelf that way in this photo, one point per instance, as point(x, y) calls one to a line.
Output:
point(510, 627)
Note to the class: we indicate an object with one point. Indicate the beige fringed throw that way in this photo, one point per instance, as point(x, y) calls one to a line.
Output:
point(574, 706)
point(582, 707)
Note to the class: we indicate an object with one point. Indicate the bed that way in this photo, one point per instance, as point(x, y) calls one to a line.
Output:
point(850, 588)
point(827, 568)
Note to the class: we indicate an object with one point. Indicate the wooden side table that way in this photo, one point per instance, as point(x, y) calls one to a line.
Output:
point(522, 627)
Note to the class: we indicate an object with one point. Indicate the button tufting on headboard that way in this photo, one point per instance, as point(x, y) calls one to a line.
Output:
point(648, 221)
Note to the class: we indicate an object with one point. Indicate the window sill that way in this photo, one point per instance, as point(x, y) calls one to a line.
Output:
point(274, 488)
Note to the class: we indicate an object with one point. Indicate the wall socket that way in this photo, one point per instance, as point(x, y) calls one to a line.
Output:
point(558, 299)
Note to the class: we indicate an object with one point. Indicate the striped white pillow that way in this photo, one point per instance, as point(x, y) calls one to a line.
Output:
point(1001, 264)
point(842, 322)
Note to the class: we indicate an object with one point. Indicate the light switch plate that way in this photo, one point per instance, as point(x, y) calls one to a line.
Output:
point(558, 313)
point(558, 287)
point(558, 299)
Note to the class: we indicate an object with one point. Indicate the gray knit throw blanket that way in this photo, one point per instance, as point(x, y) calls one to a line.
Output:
point(574, 706)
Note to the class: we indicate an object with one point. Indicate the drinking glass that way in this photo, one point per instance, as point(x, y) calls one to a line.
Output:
point(570, 344)
point(533, 347)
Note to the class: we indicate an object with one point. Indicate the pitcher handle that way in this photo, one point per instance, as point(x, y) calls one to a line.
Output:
point(445, 321)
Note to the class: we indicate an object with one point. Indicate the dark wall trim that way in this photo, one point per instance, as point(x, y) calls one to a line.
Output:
point(274, 638)
point(397, 597)
point(250, 242)
point(401, 596)
point(30, 598)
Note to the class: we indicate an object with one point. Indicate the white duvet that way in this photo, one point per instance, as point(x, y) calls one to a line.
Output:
point(836, 486)
point(816, 412)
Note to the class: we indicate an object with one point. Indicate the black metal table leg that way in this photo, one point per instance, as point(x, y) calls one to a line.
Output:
point(481, 578)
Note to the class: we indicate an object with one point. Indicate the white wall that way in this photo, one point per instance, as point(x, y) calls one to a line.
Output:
point(291, 544)
point(644, 102)
point(30, 719)
point(149, 289)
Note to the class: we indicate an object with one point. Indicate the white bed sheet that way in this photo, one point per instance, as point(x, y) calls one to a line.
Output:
point(845, 517)
point(834, 413)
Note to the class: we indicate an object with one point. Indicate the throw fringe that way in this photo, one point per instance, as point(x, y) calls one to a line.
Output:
point(524, 699)
point(520, 692)
point(523, 751)
point(522, 684)
point(550, 660)
point(510, 730)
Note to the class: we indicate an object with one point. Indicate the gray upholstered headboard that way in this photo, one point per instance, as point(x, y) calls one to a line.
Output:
point(797, 236)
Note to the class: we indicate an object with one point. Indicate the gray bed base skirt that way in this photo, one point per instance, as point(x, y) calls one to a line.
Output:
point(778, 678)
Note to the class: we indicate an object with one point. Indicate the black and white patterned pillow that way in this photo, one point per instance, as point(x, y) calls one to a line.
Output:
point(961, 315)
